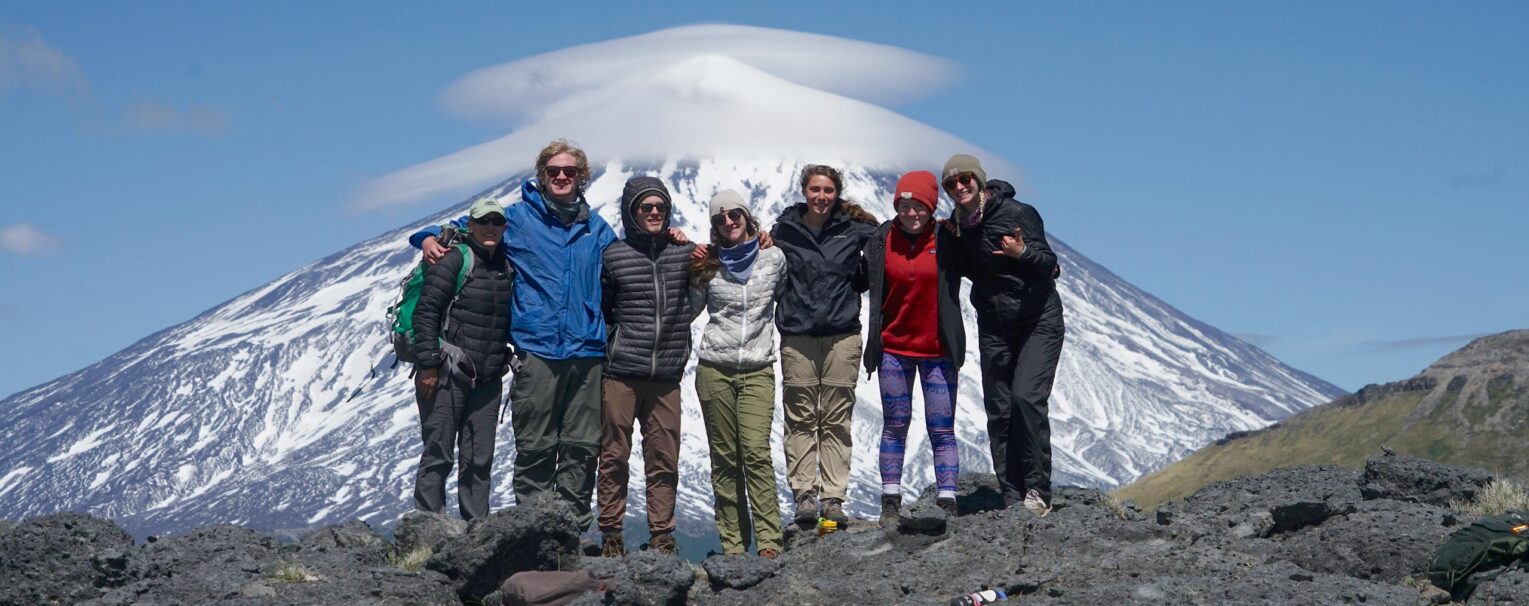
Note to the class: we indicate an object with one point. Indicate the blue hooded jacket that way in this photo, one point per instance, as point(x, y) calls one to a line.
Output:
point(555, 313)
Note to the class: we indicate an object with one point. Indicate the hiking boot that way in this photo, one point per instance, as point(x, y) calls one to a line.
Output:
point(949, 505)
point(833, 509)
point(663, 542)
point(769, 554)
point(891, 506)
point(612, 545)
point(1036, 504)
point(807, 508)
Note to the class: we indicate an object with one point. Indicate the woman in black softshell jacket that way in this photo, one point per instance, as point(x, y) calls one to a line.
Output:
point(818, 317)
point(461, 339)
point(1019, 324)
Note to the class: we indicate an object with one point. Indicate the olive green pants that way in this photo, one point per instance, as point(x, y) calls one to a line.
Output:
point(737, 407)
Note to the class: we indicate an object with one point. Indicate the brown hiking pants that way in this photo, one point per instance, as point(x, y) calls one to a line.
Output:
point(655, 404)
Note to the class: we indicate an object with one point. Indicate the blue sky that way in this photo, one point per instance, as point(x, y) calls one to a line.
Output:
point(1343, 184)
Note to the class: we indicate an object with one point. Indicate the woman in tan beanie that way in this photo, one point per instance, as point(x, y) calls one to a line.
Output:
point(1019, 324)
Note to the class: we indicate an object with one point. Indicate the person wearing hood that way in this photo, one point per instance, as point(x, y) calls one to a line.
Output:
point(1019, 324)
point(915, 329)
point(555, 245)
point(819, 321)
point(645, 297)
point(737, 282)
point(460, 337)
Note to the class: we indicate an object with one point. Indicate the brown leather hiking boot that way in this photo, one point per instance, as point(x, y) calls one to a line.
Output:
point(664, 542)
point(833, 509)
point(807, 508)
point(891, 508)
point(612, 545)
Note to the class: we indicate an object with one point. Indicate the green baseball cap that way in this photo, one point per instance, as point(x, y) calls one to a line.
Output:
point(485, 207)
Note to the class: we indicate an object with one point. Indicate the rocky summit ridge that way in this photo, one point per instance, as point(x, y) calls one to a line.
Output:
point(1305, 535)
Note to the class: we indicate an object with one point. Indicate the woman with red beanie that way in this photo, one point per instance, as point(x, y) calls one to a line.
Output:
point(915, 329)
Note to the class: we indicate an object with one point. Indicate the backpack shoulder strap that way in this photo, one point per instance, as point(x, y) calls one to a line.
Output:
point(467, 266)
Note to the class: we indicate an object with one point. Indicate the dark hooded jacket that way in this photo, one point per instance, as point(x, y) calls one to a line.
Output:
point(1007, 291)
point(479, 326)
point(824, 276)
point(951, 326)
point(645, 295)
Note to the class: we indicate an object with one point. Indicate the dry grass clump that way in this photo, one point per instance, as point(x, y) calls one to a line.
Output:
point(413, 560)
point(1500, 496)
point(292, 572)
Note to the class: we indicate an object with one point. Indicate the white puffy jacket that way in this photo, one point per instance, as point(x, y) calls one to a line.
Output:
point(740, 334)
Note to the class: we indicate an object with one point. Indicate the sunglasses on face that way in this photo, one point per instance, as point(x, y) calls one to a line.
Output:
point(648, 207)
point(567, 171)
point(966, 179)
point(735, 214)
point(494, 220)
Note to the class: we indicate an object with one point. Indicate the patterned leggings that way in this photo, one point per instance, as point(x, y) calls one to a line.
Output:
point(940, 385)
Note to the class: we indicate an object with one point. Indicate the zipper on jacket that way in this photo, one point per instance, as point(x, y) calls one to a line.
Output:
point(658, 316)
point(743, 331)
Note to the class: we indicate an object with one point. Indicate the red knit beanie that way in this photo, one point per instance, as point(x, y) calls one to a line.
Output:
point(919, 185)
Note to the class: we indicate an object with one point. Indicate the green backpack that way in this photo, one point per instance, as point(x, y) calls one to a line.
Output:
point(1494, 543)
point(401, 314)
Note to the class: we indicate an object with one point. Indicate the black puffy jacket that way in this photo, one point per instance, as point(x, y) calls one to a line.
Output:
point(479, 320)
point(952, 326)
point(824, 273)
point(645, 285)
point(1005, 290)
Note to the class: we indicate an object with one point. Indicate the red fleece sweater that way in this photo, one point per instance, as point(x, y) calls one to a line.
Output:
point(910, 313)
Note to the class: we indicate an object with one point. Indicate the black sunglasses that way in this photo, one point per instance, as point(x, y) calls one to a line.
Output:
point(964, 178)
point(494, 220)
point(735, 214)
point(647, 207)
point(567, 171)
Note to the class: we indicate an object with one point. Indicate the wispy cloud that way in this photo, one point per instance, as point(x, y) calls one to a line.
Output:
point(26, 239)
point(151, 117)
point(27, 62)
point(1472, 180)
point(719, 91)
point(1420, 342)
point(1257, 339)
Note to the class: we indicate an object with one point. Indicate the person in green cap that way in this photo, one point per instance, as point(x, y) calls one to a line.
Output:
point(461, 337)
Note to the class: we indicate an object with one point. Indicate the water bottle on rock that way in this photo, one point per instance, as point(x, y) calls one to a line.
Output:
point(987, 596)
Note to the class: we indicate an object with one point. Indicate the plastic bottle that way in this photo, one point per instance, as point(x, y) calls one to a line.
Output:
point(987, 596)
point(827, 526)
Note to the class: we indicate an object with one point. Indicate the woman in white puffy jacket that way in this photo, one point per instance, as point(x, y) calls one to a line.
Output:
point(737, 283)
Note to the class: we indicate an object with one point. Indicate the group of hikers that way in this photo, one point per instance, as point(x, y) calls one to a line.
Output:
point(596, 330)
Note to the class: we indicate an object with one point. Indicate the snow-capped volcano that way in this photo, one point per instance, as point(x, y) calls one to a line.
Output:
point(244, 414)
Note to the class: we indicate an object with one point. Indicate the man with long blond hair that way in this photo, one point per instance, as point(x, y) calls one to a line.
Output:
point(557, 329)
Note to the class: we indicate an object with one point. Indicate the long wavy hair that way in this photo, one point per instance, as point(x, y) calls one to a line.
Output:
point(702, 270)
point(854, 211)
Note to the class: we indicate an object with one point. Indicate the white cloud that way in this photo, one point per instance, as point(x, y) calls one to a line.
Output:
point(26, 239)
point(159, 118)
point(699, 91)
point(29, 63)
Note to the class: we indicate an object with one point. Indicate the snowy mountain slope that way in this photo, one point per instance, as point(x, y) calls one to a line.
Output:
point(242, 414)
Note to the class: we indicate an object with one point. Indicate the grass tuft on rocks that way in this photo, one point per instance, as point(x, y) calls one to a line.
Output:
point(413, 560)
point(1498, 497)
point(292, 572)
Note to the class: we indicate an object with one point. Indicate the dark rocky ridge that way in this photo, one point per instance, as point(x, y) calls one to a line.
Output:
point(1315, 534)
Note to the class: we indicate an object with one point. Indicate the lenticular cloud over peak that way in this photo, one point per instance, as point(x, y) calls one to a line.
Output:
point(719, 91)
